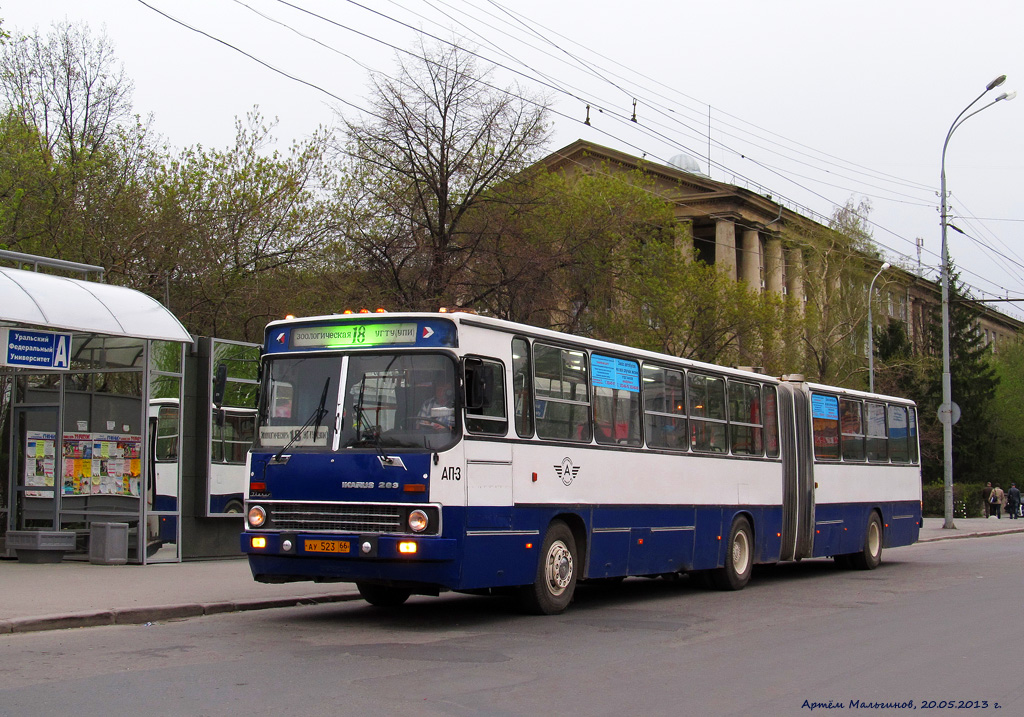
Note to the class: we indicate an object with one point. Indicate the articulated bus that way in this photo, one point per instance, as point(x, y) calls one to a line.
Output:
point(420, 453)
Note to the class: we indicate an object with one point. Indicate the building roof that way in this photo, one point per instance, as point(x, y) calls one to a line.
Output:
point(50, 301)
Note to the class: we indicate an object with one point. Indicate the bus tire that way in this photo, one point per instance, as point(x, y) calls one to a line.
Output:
point(555, 583)
point(383, 595)
point(871, 556)
point(739, 558)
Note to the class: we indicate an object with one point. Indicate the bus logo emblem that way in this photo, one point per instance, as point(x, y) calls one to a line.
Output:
point(566, 470)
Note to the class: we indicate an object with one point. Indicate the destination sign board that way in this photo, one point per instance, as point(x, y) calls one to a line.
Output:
point(23, 348)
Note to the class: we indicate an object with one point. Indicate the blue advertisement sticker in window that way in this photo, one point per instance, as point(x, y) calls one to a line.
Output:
point(607, 372)
point(824, 407)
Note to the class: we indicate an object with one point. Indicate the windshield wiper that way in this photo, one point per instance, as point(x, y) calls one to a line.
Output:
point(317, 416)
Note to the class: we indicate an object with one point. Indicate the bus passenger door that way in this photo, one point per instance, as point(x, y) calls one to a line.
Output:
point(488, 485)
point(488, 460)
point(798, 474)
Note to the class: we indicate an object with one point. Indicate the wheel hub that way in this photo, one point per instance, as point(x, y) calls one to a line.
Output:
point(559, 568)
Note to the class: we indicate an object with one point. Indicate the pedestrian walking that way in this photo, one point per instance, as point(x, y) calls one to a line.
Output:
point(986, 496)
point(998, 501)
point(1013, 501)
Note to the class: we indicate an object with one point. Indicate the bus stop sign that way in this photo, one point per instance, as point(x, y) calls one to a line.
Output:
point(35, 349)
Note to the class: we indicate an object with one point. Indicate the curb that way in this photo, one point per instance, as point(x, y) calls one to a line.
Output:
point(158, 613)
point(962, 536)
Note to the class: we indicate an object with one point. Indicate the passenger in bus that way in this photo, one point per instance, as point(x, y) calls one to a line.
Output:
point(440, 408)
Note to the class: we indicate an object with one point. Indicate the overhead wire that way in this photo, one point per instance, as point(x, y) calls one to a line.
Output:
point(550, 83)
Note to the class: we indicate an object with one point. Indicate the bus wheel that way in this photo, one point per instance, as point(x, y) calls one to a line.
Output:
point(739, 558)
point(871, 556)
point(383, 595)
point(555, 582)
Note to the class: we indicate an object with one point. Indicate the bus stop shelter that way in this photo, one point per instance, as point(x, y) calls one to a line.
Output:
point(82, 367)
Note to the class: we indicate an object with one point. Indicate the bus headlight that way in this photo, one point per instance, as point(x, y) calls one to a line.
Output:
point(257, 516)
point(418, 521)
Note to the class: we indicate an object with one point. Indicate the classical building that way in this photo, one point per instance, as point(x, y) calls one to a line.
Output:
point(742, 231)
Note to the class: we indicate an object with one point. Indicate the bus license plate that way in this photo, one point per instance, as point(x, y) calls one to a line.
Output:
point(328, 546)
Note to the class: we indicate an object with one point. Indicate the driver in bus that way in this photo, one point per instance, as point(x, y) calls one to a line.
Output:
point(440, 408)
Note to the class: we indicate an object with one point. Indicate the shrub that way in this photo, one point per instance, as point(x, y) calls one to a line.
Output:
point(967, 501)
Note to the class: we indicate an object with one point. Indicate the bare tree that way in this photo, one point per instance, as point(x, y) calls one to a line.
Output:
point(69, 86)
point(438, 136)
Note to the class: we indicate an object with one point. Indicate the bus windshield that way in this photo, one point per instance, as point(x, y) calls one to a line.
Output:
point(388, 401)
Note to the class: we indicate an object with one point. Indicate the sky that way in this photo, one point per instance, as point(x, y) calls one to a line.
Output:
point(816, 103)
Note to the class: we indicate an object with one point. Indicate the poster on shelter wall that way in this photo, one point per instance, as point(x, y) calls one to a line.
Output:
point(91, 463)
point(39, 463)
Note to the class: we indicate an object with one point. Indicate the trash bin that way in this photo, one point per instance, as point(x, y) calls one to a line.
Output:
point(108, 543)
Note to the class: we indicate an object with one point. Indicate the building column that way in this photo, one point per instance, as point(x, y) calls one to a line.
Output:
point(750, 267)
point(795, 274)
point(684, 241)
point(725, 246)
point(774, 265)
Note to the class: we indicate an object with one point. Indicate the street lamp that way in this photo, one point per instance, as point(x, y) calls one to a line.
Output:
point(946, 409)
point(871, 331)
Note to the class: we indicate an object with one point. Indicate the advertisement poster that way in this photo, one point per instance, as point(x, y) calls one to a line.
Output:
point(92, 463)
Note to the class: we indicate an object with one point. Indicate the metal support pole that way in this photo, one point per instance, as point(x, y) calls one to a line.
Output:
point(946, 410)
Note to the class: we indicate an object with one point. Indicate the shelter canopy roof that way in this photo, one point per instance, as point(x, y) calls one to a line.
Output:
point(57, 302)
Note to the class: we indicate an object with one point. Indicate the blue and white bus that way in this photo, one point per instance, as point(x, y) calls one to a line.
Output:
point(419, 453)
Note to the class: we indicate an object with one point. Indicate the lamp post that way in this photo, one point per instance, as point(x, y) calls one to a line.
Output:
point(871, 331)
point(946, 409)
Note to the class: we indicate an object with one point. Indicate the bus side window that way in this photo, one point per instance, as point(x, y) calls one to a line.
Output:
point(745, 419)
point(898, 451)
point(563, 393)
point(664, 408)
point(825, 418)
point(771, 422)
point(877, 434)
point(852, 426)
point(616, 384)
point(485, 393)
point(167, 434)
point(522, 388)
point(706, 395)
point(912, 431)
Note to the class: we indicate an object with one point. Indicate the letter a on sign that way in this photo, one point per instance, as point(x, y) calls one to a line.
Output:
point(61, 352)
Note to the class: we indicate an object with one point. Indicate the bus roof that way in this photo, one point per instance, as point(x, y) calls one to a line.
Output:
point(513, 328)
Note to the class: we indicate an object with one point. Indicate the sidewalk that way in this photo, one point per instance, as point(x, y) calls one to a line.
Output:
point(78, 594)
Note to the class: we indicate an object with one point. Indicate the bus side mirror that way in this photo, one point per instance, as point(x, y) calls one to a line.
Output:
point(479, 384)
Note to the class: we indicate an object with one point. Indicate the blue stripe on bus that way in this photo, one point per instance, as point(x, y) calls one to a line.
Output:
point(672, 539)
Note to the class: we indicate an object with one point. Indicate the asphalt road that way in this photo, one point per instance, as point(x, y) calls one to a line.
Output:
point(936, 622)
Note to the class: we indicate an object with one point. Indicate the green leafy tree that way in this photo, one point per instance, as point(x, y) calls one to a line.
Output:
point(1007, 413)
point(835, 285)
point(74, 160)
point(599, 252)
point(242, 235)
point(901, 371)
point(973, 382)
